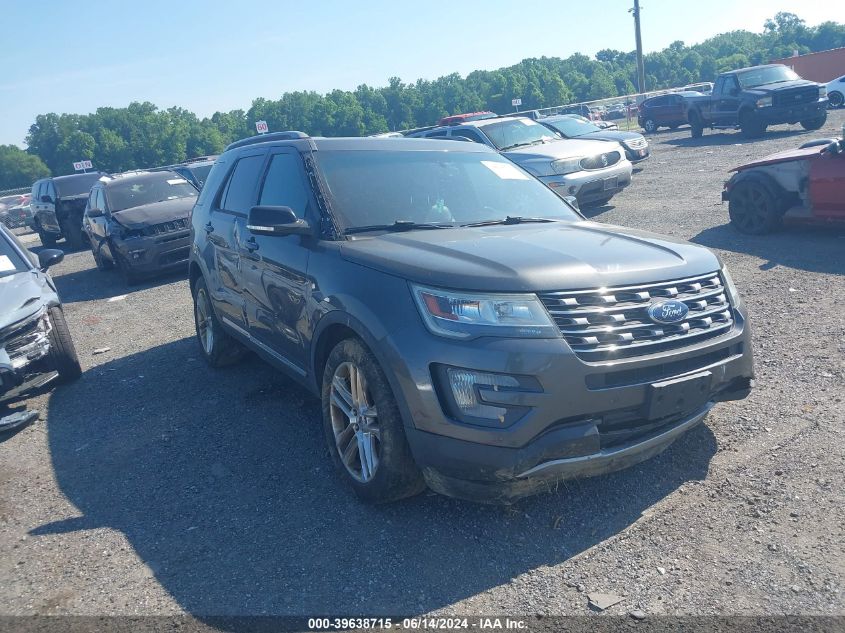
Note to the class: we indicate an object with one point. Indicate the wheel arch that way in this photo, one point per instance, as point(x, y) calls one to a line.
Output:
point(759, 176)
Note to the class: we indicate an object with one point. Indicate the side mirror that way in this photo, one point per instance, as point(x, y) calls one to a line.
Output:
point(573, 201)
point(46, 198)
point(276, 221)
point(49, 257)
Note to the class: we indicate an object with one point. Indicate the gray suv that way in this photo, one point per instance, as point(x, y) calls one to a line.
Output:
point(464, 327)
point(592, 171)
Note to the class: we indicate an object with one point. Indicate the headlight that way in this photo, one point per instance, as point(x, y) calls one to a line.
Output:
point(730, 287)
point(822, 92)
point(566, 165)
point(468, 314)
point(764, 102)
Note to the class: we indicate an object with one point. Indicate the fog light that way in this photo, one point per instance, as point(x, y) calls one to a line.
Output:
point(137, 254)
point(464, 385)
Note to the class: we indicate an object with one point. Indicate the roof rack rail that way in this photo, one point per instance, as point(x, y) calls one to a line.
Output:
point(264, 138)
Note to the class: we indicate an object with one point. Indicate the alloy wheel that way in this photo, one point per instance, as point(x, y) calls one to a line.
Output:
point(753, 207)
point(205, 326)
point(354, 421)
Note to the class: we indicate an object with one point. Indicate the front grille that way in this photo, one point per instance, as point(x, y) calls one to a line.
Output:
point(611, 323)
point(637, 143)
point(796, 97)
point(600, 161)
point(167, 227)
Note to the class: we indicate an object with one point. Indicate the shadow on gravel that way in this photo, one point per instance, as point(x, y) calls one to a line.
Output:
point(222, 485)
point(732, 138)
point(591, 212)
point(814, 249)
point(91, 284)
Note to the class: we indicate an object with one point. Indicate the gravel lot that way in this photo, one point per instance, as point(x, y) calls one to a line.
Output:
point(155, 485)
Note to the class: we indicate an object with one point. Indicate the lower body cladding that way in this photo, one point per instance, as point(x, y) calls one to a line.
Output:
point(501, 420)
point(24, 358)
point(155, 254)
point(591, 187)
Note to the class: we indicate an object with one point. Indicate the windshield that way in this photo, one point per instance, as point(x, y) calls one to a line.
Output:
point(75, 185)
point(517, 133)
point(371, 188)
point(156, 187)
point(570, 127)
point(762, 76)
point(10, 261)
point(200, 173)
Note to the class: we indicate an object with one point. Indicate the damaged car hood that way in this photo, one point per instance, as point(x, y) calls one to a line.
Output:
point(22, 295)
point(155, 213)
point(531, 257)
point(783, 157)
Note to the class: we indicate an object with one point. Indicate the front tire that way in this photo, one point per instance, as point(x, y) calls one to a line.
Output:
point(751, 125)
point(62, 353)
point(363, 427)
point(650, 126)
point(48, 240)
point(130, 276)
point(753, 209)
point(217, 347)
point(835, 99)
point(73, 233)
point(101, 262)
point(814, 124)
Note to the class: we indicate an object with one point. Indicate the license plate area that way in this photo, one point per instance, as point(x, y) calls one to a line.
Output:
point(679, 395)
point(611, 183)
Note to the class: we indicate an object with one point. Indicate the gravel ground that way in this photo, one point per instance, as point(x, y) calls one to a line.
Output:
point(155, 485)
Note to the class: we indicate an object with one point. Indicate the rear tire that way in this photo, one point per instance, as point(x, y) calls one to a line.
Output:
point(217, 347)
point(650, 126)
point(62, 352)
point(814, 124)
point(363, 427)
point(48, 240)
point(753, 208)
point(751, 125)
point(696, 126)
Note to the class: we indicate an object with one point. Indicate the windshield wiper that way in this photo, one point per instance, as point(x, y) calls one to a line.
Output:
point(511, 219)
point(399, 225)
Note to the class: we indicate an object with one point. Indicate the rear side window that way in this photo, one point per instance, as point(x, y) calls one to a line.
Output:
point(283, 186)
point(239, 196)
point(470, 134)
point(437, 133)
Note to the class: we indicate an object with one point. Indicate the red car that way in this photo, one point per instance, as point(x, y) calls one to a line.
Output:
point(805, 185)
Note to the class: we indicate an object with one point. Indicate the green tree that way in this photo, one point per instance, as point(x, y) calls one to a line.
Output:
point(18, 168)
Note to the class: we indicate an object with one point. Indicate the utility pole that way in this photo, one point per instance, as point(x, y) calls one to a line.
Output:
point(640, 67)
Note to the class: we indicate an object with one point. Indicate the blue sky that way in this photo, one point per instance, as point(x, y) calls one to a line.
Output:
point(219, 55)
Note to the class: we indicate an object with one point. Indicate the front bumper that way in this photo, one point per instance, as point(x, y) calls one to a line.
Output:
point(150, 255)
point(24, 357)
point(590, 186)
point(637, 155)
point(775, 115)
point(585, 419)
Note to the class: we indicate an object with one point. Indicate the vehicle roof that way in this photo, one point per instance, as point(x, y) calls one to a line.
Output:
point(403, 144)
point(72, 176)
point(739, 70)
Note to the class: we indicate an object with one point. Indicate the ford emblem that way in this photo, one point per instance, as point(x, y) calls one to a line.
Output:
point(668, 311)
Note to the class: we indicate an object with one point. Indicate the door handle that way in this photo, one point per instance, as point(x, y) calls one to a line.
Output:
point(209, 228)
point(251, 245)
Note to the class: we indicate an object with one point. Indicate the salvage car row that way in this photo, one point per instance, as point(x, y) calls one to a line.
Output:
point(464, 326)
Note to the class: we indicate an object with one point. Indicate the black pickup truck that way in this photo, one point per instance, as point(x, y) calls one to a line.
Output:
point(753, 98)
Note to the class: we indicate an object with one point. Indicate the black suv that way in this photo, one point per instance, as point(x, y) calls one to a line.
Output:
point(138, 221)
point(463, 325)
point(57, 206)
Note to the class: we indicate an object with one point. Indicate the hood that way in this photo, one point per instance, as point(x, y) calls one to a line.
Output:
point(783, 157)
point(531, 257)
point(155, 213)
point(611, 135)
point(538, 158)
point(22, 295)
point(765, 89)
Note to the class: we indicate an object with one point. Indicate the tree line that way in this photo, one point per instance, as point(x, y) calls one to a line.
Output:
point(142, 135)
